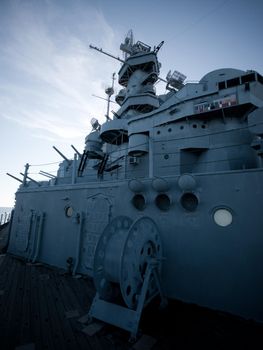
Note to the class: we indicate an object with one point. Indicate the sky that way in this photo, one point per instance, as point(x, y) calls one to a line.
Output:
point(48, 73)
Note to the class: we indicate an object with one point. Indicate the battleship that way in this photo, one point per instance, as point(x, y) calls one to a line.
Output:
point(164, 201)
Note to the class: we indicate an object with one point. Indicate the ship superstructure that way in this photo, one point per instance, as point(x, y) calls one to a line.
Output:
point(166, 197)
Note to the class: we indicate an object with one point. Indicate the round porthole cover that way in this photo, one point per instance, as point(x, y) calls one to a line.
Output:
point(223, 217)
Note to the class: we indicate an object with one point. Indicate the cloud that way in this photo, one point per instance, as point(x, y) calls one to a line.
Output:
point(50, 73)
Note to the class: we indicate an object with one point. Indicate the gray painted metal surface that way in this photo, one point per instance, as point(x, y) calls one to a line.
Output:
point(187, 166)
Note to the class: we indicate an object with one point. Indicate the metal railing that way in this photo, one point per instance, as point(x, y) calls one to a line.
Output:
point(5, 217)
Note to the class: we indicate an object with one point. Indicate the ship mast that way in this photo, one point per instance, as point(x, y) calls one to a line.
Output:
point(109, 91)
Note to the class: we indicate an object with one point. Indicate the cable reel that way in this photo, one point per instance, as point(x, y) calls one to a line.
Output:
point(122, 255)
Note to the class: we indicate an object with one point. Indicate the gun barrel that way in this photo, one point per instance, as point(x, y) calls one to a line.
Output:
point(75, 149)
point(16, 178)
point(30, 178)
point(61, 154)
point(47, 174)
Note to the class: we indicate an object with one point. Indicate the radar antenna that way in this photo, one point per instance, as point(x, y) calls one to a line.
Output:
point(109, 91)
point(157, 48)
point(175, 80)
point(127, 46)
point(95, 124)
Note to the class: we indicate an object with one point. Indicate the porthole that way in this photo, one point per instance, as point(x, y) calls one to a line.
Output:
point(203, 126)
point(166, 156)
point(181, 127)
point(189, 201)
point(68, 211)
point(163, 202)
point(194, 126)
point(169, 130)
point(158, 132)
point(139, 202)
point(223, 217)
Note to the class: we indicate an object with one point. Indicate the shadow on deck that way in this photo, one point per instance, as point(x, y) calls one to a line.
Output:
point(40, 308)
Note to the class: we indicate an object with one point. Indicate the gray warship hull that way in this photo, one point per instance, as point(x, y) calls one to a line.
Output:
point(165, 199)
point(211, 266)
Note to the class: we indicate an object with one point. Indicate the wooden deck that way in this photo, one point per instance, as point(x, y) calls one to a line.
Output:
point(40, 308)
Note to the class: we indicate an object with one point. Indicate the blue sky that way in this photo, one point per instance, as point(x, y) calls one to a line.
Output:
point(48, 73)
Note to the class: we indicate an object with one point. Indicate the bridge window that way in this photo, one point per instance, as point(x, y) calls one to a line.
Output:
point(221, 85)
point(248, 78)
point(233, 82)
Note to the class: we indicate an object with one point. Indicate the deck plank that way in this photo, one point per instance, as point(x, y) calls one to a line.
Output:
point(9, 298)
point(15, 306)
point(61, 308)
point(84, 292)
point(70, 303)
point(46, 331)
point(94, 342)
point(58, 329)
point(25, 333)
point(34, 307)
